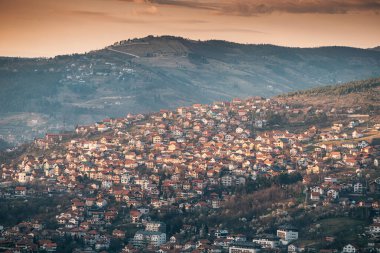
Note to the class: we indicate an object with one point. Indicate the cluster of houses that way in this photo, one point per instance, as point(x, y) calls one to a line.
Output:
point(173, 158)
point(27, 236)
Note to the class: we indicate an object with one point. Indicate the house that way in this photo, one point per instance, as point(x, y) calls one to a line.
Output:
point(287, 235)
point(368, 149)
point(101, 202)
point(150, 237)
point(259, 123)
point(175, 239)
point(315, 196)
point(157, 139)
point(102, 244)
point(135, 216)
point(229, 137)
point(317, 189)
point(24, 177)
point(244, 247)
point(358, 188)
point(215, 203)
point(337, 127)
point(374, 185)
point(330, 239)
point(237, 237)
point(155, 226)
point(356, 134)
point(349, 145)
point(90, 201)
point(349, 248)
point(267, 241)
point(20, 191)
point(313, 169)
point(227, 180)
point(374, 228)
point(336, 155)
point(102, 127)
point(294, 247)
point(221, 233)
point(363, 144)
point(118, 234)
point(353, 123)
point(332, 193)
point(47, 245)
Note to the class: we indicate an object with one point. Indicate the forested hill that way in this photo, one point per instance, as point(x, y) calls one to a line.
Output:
point(142, 75)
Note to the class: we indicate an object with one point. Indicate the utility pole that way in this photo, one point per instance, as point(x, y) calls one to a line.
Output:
point(305, 191)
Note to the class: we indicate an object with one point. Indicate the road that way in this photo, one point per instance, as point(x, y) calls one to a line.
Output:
point(121, 52)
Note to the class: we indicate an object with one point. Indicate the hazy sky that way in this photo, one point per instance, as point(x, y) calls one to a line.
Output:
point(51, 27)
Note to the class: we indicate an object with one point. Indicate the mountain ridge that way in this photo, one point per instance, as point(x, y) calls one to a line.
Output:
point(170, 37)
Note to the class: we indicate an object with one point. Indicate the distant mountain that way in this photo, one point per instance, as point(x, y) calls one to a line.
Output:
point(141, 75)
point(376, 48)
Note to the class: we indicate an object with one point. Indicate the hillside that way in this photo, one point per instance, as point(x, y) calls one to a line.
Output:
point(142, 75)
point(343, 89)
point(249, 167)
point(362, 95)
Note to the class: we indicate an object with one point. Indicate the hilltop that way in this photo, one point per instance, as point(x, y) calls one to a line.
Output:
point(143, 75)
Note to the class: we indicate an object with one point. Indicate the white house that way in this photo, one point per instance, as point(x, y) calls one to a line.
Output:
point(287, 235)
point(268, 242)
point(246, 247)
point(315, 196)
point(332, 193)
point(374, 228)
point(227, 180)
point(151, 237)
point(358, 188)
point(356, 134)
point(349, 248)
point(155, 226)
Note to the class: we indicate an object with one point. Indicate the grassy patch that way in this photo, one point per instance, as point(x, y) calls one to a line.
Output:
point(341, 226)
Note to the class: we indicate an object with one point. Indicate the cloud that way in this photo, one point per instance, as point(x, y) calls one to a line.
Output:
point(150, 10)
point(256, 7)
point(191, 21)
point(247, 8)
point(196, 4)
point(103, 16)
point(224, 30)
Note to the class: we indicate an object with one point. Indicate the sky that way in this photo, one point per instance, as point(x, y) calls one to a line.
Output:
point(45, 28)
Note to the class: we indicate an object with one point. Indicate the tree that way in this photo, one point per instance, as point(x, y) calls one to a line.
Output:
point(115, 245)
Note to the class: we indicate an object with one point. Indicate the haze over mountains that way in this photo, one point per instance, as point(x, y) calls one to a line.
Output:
point(142, 75)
